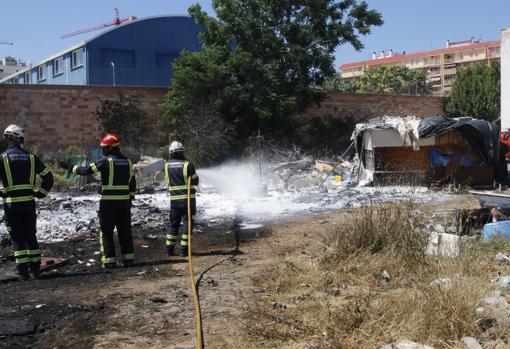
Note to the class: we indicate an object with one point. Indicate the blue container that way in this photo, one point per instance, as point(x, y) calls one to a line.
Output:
point(501, 228)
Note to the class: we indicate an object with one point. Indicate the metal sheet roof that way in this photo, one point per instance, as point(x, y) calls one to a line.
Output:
point(85, 42)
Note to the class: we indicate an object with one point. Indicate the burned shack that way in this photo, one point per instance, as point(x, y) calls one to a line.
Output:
point(433, 150)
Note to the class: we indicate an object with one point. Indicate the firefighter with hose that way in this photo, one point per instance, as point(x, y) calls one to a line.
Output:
point(117, 192)
point(18, 174)
point(177, 172)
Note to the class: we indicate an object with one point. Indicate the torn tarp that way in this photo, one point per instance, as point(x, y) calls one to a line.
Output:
point(482, 136)
point(376, 147)
point(406, 127)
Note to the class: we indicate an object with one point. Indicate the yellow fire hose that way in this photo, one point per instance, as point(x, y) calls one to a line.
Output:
point(198, 312)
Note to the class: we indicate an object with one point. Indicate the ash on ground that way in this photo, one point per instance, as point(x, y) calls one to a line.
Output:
point(226, 193)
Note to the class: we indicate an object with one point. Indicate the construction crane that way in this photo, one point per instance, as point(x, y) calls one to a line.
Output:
point(116, 21)
point(6, 42)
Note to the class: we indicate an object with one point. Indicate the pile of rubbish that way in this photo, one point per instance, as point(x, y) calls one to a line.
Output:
point(226, 193)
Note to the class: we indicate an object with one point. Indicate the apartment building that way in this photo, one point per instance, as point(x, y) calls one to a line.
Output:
point(441, 65)
point(10, 65)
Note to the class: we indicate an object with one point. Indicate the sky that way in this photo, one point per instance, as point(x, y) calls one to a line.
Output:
point(35, 26)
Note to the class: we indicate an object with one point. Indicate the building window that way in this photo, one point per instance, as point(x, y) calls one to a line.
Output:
point(77, 58)
point(27, 78)
point(58, 66)
point(41, 73)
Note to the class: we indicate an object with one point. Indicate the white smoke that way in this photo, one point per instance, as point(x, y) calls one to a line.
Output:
point(239, 180)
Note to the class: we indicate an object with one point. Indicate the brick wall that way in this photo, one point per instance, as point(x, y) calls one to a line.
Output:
point(57, 116)
point(361, 107)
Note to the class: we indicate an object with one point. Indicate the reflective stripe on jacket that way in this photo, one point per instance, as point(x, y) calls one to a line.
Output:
point(117, 177)
point(177, 173)
point(18, 170)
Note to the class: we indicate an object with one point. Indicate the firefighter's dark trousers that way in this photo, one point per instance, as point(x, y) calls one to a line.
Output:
point(178, 215)
point(20, 221)
point(115, 214)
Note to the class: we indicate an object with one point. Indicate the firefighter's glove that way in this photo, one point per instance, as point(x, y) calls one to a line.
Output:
point(39, 195)
point(66, 165)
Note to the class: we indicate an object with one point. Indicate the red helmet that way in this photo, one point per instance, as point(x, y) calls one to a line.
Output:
point(110, 140)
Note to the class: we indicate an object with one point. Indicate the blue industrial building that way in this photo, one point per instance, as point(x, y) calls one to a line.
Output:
point(137, 53)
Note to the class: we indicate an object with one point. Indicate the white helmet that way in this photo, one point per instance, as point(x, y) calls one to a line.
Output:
point(176, 147)
point(13, 131)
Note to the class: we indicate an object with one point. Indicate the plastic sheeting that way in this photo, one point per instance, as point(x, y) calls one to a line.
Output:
point(482, 136)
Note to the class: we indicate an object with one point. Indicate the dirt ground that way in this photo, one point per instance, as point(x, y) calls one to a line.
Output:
point(149, 305)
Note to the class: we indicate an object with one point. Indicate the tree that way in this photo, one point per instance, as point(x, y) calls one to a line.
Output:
point(393, 80)
point(262, 59)
point(208, 137)
point(476, 93)
point(124, 117)
point(339, 84)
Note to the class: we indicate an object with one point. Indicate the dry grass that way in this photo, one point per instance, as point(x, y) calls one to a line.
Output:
point(335, 298)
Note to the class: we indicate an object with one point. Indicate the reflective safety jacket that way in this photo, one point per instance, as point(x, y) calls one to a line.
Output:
point(177, 173)
point(18, 170)
point(117, 178)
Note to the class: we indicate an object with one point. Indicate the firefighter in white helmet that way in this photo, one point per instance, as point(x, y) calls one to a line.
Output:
point(17, 172)
point(178, 170)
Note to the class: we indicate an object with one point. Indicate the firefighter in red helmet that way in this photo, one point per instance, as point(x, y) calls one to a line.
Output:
point(117, 192)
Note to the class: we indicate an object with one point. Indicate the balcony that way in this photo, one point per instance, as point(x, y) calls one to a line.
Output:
point(494, 52)
point(449, 60)
point(351, 74)
point(450, 71)
point(433, 73)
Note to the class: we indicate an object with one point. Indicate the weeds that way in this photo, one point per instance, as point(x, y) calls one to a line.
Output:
point(429, 299)
point(390, 229)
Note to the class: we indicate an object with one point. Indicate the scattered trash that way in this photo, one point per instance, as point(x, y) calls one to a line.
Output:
point(500, 229)
point(257, 290)
point(277, 305)
point(158, 300)
point(52, 262)
point(335, 291)
point(503, 281)
point(502, 257)
point(443, 244)
point(143, 272)
point(148, 166)
point(471, 343)
point(323, 166)
point(385, 276)
point(443, 283)
point(144, 246)
point(39, 306)
point(493, 308)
